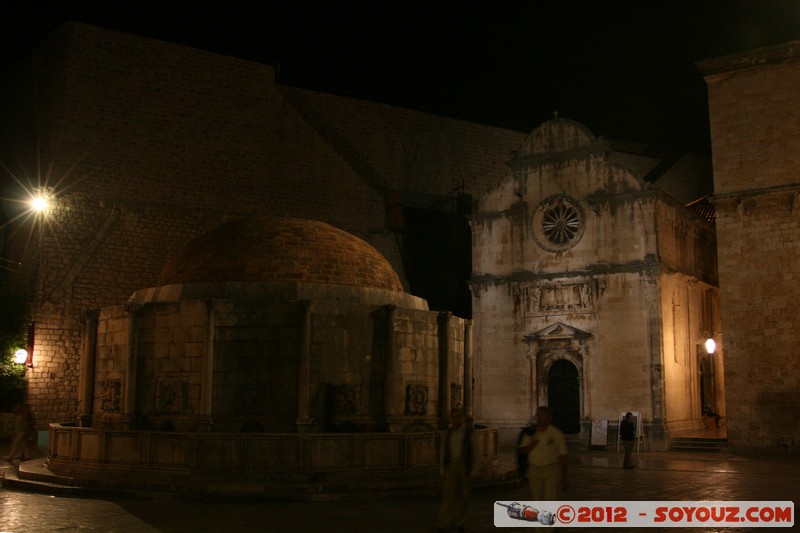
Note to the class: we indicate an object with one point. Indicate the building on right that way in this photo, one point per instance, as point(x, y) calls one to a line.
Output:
point(754, 107)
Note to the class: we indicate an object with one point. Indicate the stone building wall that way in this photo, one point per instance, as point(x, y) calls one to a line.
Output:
point(575, 262)
point(365, 374)
point(754, 104)
point(148, 144)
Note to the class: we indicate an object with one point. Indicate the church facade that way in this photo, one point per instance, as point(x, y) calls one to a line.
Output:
point(594, 292)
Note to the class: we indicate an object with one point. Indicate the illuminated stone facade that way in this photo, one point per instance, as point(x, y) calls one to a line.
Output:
point(754, 102)
point(593, 292)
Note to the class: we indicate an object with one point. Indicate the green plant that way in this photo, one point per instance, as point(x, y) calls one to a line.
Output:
point(13, 335)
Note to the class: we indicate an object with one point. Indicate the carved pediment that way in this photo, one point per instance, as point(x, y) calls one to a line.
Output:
point(557, 331)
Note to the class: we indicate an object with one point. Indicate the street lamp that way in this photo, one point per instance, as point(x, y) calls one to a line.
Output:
point(711, 346)
point(21, 356)
point(40, 202)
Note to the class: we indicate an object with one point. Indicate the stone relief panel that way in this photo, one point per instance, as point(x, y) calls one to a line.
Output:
point(416, 399)
point(110, 395)
point(455, 396)
point(344, 399)
point(559, 297)
point(171, 396)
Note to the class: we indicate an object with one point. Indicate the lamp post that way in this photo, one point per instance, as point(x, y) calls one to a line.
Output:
point(41, 202)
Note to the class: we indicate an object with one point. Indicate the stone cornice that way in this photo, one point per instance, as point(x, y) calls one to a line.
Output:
point(730, 64)
point(725, 197)
point(648, 264)
point(600, 147)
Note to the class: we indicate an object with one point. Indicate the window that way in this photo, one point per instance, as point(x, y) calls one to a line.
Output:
point(558, 223)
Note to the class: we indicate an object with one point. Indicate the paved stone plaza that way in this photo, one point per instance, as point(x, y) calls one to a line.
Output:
point(593, 476)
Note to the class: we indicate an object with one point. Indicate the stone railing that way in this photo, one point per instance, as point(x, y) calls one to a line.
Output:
point(87, 453)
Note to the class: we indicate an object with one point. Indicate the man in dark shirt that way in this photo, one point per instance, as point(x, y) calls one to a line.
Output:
point(627, 432)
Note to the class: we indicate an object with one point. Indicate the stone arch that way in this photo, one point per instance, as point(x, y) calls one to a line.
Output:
point(558, 342)
point(561, 387)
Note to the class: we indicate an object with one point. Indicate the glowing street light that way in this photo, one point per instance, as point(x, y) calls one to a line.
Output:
point(21, 356)
point(41, 200)
point(40, 203)
point(710, 346)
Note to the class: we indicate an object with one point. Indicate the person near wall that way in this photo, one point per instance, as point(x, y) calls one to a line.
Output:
point(522, 458)
point(627, 433)
point(458, 467)
point(24, 431)
point(710, 418)
point(547, 458)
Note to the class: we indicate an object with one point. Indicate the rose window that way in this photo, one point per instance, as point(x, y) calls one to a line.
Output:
point(561, 223)
point(558, 223)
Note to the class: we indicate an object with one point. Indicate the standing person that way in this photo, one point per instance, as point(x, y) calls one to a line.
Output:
point(547, 457)
point(23, 433)
point(458, 467)
point(627, 432)
point(522, 458)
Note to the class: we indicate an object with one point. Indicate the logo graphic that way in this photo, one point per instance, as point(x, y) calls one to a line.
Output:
point(529, 514)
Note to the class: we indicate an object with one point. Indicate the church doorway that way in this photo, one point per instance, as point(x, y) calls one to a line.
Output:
point(707, 392)
point(563, 396)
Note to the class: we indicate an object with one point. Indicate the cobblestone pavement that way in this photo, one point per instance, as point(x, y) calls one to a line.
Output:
point(676, 476)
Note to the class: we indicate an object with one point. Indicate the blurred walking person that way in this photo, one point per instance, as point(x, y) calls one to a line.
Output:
point(24, 431)
point(547, 457)
point(458, 468)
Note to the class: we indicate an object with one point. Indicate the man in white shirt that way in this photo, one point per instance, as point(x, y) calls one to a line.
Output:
point(547, 457)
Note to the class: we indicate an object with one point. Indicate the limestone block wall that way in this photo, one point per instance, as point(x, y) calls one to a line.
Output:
point(689, 312)
point(617, 226)
point(112, 365)
point(95, 457)
point(759, 290)
point(753, 102)
point(149, 144)
point(171, 355)
point(94, 254)
point(234, 365)
point(620, 376)
point(686, 243)
point(616, 358)
point(501, 366)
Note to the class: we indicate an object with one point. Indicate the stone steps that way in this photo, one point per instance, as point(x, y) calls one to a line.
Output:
point(698, 444)
point(34, 476)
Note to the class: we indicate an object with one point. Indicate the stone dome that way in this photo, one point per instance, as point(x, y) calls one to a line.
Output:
point(559, 136)
point(279, 249)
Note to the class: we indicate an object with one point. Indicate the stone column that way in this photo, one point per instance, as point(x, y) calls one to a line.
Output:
point(86, 379)
point(129, 399)
point(207, 393)
point(586, 390)
point(468, 402)
point(389, 386)
point(533, 389)
point(444, 369)
point(303, 421)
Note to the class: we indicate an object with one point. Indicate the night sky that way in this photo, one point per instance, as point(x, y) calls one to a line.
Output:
point(624, 69)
